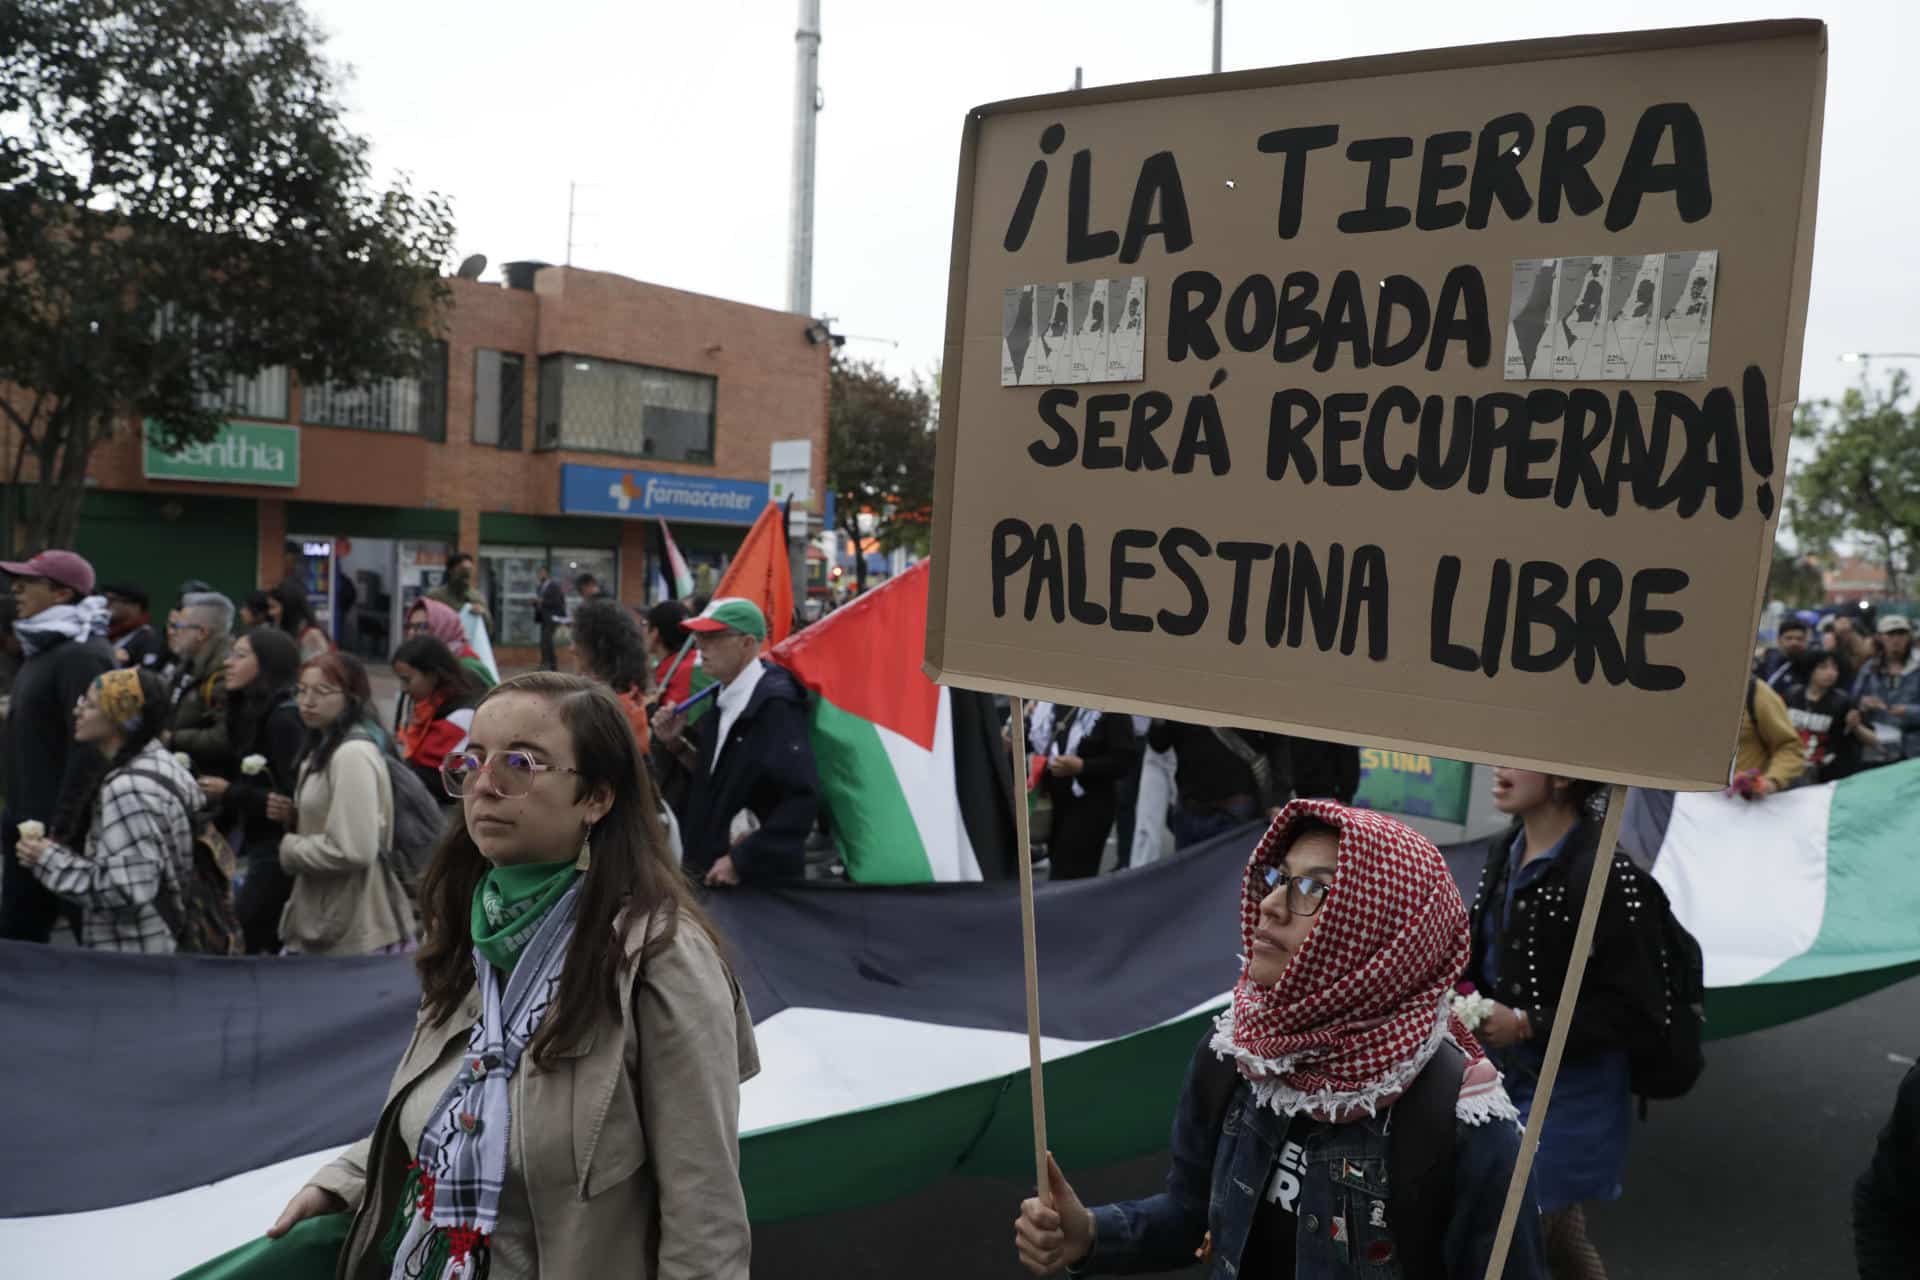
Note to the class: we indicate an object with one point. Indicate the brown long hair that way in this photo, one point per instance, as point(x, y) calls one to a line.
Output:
point(631, 869)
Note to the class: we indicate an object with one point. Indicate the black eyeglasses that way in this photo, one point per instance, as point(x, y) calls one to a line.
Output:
point(1305, 895)
point(513, 772)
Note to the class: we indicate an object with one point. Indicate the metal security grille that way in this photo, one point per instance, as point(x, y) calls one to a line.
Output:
point(264, 395)
point(411, 406)
point(630, 409)
point(392, 404)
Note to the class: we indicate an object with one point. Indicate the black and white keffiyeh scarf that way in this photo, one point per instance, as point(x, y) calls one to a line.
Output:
point(86, 620)
point(445, 1222)
point(1045, 737)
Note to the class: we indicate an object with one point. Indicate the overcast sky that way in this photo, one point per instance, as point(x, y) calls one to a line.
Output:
point(677, 122)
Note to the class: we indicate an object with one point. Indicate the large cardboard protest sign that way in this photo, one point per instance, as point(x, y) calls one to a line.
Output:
point(1436, 402)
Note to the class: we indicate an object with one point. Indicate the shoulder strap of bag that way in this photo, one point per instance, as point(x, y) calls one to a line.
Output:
point(1256, 761)
point(1420, 1151)
point(172, 907)
point(1752, 684)
point(188, 804)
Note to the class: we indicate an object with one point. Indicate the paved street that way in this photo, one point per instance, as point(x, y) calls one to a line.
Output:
point(1750, 1177)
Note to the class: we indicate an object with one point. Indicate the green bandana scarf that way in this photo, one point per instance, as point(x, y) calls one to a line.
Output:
point(510, 903)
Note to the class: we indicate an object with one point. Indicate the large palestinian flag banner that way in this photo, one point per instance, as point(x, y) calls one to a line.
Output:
point(159, 1111)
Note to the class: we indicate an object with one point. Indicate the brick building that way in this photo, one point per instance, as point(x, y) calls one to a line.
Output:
point(1852, 580)
point(567, 410)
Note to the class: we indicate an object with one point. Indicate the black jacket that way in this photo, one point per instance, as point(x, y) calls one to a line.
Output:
point(1324, 770)
point(200, 710)
point(47, 774)
point(1107, 753)
point(767, 769)
point(142, 647)
point(550, 602)
point(1207, 773)
point(1622, 987)
point(278, 734)
point(1886, 1199)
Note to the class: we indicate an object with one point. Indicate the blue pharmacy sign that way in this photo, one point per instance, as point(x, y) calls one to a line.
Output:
point(643, 495)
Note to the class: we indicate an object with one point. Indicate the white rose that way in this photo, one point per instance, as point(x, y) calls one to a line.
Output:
point(32, 830)
point(1471, 1010)
point(253, 765)
point(182, 759)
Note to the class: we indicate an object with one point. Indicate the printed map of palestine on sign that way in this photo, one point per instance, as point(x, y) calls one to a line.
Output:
point(1460, 415)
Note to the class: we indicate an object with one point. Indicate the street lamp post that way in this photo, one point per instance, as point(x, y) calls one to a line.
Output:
point(1865, 359)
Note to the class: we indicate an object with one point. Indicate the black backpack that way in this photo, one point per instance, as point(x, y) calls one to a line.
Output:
point(1669, 1059)
point(202, 916)
point(1419, 1151)
point(419, 819)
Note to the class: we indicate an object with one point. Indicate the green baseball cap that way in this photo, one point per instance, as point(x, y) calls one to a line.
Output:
point(731, 613)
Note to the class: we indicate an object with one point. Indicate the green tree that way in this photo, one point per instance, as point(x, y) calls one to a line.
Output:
point(1795, 579)
point(1862, 484)
point(880, 457)
point(181, 204)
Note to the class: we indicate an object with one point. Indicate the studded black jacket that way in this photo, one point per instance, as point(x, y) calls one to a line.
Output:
point(1621, 993)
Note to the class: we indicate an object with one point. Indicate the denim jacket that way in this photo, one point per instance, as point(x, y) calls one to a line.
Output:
point(1216, 1180)
point(1897, 689)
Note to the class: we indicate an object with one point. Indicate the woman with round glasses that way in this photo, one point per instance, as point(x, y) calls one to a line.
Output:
point(569, 1103)
point(345, 900)
point(1340, 1121)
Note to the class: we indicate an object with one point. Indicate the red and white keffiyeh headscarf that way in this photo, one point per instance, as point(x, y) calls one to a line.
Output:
point(1365, 1002)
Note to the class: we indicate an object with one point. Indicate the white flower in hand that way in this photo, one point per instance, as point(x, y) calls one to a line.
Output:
point(182, 759)
point(32, 830)
point(1472, 1009)
point(253, 765)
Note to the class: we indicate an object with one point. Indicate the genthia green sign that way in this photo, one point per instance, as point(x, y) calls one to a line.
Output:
point(242, 453)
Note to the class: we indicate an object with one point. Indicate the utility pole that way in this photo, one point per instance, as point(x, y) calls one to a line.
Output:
point(806, 107)
point(1217, 5)
point(572, 188)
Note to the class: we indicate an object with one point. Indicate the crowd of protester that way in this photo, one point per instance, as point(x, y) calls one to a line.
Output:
point(228, 787)
point(222, 780)
point(1849, 702)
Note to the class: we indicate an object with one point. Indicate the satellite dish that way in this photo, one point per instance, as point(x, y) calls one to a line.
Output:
point(472, 267)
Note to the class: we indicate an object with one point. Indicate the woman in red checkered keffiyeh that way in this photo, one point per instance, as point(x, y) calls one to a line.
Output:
point(1362, 1001)
point(1314, 1118)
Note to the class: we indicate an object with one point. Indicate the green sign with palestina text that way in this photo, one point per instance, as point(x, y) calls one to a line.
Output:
point(1416, 785)
point(242, 453)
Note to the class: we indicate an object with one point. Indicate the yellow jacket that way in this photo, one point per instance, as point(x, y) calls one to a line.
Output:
point(1768, 740)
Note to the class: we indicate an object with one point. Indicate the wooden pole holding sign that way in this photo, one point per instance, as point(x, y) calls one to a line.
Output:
point(1563, 1020)
point(1025, 852)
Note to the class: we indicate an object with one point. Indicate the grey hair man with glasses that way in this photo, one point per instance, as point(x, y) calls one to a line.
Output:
point(200, 635)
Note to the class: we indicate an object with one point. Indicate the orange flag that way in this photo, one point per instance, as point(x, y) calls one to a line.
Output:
point(760, 573)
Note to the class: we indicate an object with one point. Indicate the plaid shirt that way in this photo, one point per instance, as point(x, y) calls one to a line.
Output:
point(139, 846)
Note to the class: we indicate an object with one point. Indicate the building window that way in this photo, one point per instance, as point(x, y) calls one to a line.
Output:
point(635, 410)
point(408, 406)
point(510, 579)
point(264, 395)
point(496, 398)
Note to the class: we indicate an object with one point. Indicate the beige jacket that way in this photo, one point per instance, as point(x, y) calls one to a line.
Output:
point(630, 1147)
point(345, 902)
